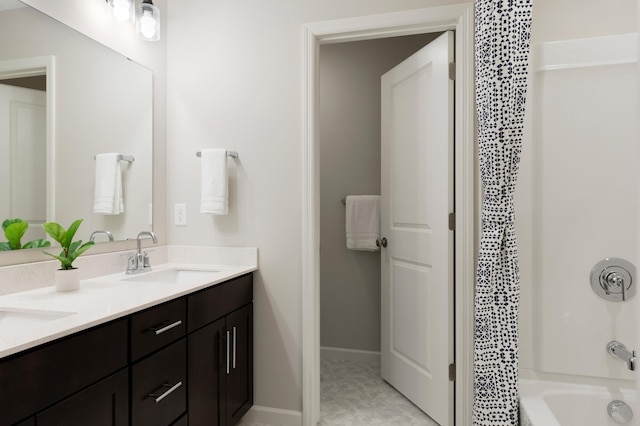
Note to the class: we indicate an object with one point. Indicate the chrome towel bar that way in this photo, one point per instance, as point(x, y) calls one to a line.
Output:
point(127, 158)
point(232, 154)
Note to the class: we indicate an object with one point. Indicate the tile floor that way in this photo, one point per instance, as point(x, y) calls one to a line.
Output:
point(353, 394)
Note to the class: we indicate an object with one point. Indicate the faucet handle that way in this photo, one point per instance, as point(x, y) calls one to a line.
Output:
point(146, 262)
point(132, 262)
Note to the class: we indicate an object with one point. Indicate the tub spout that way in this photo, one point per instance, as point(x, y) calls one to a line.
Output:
point(620, 351)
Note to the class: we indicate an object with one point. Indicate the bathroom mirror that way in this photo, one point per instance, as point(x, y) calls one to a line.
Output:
point(97, 101)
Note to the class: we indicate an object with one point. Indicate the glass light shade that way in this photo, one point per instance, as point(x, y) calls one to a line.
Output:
point(148, 21)
point(120, 10)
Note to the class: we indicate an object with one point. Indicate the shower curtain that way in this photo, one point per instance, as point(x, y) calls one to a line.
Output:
point(502, 35)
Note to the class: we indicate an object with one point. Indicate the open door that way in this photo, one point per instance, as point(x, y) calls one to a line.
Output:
point(417, 198)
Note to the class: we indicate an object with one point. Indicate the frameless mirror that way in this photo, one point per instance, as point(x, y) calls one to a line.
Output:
point(96, 101)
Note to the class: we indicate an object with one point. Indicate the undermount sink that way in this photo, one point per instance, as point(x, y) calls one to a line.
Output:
point(173, 276)
point(16, 319)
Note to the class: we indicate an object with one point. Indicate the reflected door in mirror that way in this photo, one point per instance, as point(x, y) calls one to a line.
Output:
point(23, 161)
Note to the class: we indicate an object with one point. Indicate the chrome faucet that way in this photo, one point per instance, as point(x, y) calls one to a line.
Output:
point(620, 351)
point(139, 262)
point(107, 233)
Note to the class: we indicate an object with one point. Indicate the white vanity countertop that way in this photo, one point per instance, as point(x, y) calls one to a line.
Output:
point(98, 301)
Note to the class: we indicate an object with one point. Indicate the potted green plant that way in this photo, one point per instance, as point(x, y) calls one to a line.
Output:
point(67, 277)
point(14, 230)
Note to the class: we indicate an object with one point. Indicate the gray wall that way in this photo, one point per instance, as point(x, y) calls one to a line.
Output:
point(350, 165)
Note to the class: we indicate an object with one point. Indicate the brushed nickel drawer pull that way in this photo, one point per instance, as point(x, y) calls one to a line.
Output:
point(234, 348)
point(228, 343)
point(162, 328)
point(159, 398)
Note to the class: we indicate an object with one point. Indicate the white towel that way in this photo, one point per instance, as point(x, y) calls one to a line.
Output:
point(363, 222)
point(214, 182)
point(108, 187)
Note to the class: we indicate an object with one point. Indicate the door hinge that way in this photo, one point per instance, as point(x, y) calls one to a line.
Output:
point(452, 221)
point(452, 372)
point(452, 71)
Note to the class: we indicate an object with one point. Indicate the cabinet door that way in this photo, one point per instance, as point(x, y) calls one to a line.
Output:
point(239, 381)
point(105, 403)
point(207, 369)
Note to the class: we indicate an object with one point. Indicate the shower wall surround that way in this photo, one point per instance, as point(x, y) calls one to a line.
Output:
point(579, 205)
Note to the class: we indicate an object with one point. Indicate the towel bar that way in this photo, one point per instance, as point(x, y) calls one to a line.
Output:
point(127, 158)
point(232, 154)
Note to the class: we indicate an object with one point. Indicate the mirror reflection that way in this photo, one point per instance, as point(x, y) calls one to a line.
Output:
point(53, 140)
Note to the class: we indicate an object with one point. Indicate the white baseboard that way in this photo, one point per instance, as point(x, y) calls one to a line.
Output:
point(272, 416)
point(328, 352)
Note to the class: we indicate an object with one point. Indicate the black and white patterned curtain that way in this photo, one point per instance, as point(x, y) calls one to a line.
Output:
point(502, 37)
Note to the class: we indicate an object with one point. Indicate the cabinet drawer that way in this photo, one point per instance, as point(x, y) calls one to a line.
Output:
point(159, 383)
point(208, 305)
point(157, 327)
point(104, 404)
point(46, 375)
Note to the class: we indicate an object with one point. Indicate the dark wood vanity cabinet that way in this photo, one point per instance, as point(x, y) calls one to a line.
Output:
point(43, 377)
point(239, 380)
point(186, 362)
point(159, 386)
point(206, 360)
point(159, 364)
point(104, 404)
point(220, 353)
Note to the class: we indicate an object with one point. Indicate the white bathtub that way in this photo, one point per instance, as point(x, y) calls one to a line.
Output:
point(545, 403)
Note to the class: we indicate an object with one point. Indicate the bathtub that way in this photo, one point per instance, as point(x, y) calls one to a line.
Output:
point(545, 403)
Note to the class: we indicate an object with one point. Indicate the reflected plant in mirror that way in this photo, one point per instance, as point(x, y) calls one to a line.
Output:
point(14, 230)
point(55, 120)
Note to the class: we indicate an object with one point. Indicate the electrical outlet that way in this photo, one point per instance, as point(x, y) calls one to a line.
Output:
point(180, 214)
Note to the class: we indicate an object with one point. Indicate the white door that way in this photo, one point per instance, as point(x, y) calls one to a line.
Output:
point(417, 197)
point(23, 157)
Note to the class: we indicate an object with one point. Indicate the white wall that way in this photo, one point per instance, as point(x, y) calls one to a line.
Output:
point(235, 81)
point(580, 128)
point(349, 98)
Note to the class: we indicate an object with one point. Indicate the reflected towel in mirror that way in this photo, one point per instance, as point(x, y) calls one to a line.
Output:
point(108, 186)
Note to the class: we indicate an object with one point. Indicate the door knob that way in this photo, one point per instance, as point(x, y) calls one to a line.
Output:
point(381, 242)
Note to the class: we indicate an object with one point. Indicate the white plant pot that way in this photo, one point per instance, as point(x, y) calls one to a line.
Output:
point(67, 279)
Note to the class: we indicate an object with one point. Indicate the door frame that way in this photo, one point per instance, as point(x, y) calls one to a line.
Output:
point(459, 18)
point(29, 67)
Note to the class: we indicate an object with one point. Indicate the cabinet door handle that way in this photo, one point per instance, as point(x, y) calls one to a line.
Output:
point(159, 329)
point(234, 348)
point(228, 344)
point(159, 397)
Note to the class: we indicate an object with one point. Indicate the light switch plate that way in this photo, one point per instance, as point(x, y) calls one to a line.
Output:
point(180, 214)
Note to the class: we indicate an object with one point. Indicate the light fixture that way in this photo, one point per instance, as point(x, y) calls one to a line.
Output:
point(147, 20)
point(120, 10)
